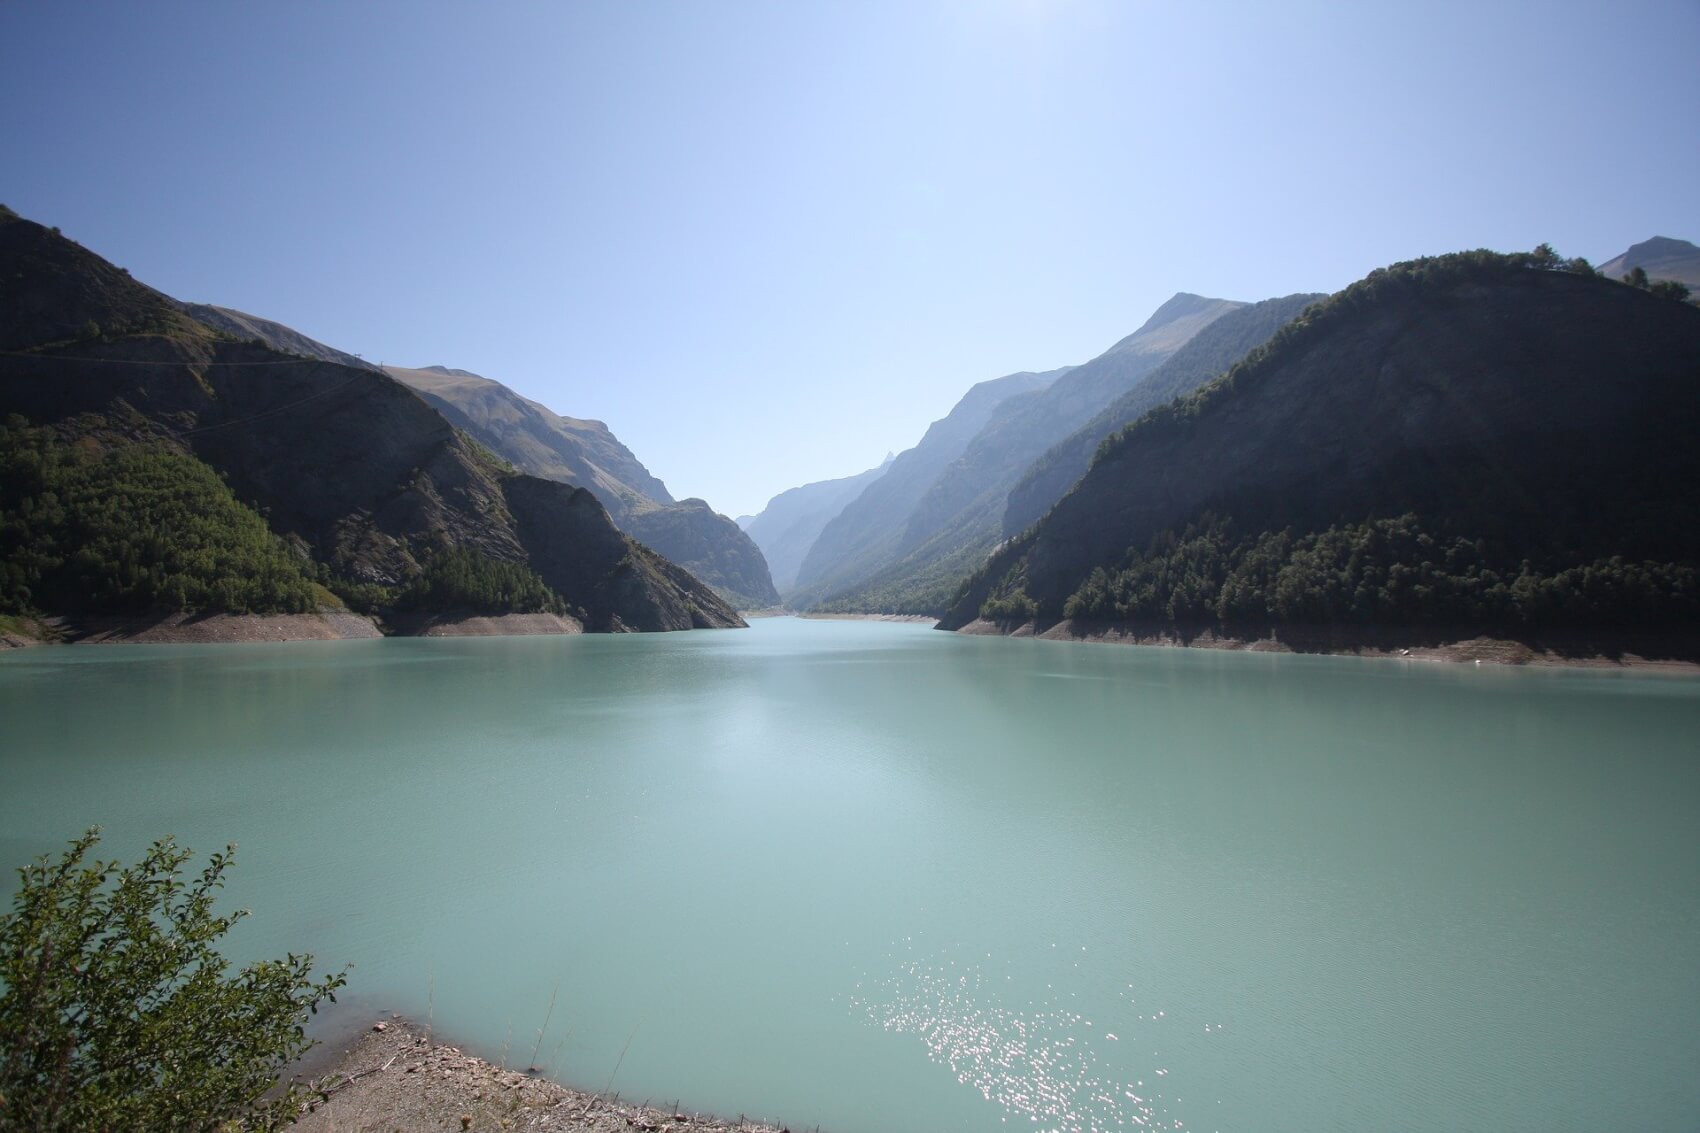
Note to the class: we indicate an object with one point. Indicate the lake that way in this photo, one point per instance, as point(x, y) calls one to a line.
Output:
point(882, 878)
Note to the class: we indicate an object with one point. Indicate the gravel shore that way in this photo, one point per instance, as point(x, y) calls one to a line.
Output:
point(394, 1077)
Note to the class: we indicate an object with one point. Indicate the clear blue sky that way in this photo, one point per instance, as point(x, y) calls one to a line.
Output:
point(768, 242)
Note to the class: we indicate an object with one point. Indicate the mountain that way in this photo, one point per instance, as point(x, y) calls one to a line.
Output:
point(111, 390)
point(957, 519)
point(1206, 355)
point(543, 443)
point(1661, 258)
point(859, 538)
point(240, 324)
point(791, 522)
point(1466, 444)
point(536, 439)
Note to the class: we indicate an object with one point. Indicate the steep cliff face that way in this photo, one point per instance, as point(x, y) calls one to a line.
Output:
point(543, 443)
point(1520, 415)
point(349, 464)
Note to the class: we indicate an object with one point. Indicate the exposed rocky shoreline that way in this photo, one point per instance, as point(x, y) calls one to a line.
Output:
point(1671, 653)
point(394, 1076)
point(326, 625)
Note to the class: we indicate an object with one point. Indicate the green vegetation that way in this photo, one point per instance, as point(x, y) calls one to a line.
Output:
point(1475, 441)
point(463, 579)
point(131, 527)
point(116, 1011)
point(1379, 572)
point(1409, 280)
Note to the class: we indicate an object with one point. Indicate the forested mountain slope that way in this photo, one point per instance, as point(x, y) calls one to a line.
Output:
point(364, 488)
point(1486, 441)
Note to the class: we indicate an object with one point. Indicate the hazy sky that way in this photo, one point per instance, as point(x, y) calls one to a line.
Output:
point(768, 242)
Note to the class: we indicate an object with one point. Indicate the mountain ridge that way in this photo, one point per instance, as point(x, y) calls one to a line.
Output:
point(1424, 431)
point(369, 488)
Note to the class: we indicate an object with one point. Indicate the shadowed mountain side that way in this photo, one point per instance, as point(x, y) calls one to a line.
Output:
point(1478, 410)
point(791, 522)
point(710, 546)
point(576, 550)
point(543, 443)
point(862, 537)
point(1208, 354)
point(364, 480)
point(957, 519)
point(1661, 258)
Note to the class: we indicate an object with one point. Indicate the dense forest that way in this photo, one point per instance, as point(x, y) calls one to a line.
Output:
point(1380, 572)
point(132, 527)
point(1475, 440)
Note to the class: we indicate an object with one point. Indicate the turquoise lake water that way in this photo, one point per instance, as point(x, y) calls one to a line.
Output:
point(882, 878)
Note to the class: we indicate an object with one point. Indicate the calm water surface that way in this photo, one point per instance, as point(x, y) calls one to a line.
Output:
point(882, 878)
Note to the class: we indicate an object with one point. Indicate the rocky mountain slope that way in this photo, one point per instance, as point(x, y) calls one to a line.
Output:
point(861, 538)
point(1478, 441)
point(791, 522)
point(543, 443)
point(957, 520)
point(1661, 258)
point(368, 488)
point(240, 324)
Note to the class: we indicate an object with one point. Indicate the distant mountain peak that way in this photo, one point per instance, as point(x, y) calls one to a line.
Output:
point(450, 371)
point(1661, 246)
point(1662, 257)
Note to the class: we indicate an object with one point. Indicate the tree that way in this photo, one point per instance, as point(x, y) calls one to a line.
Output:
point(1637, 277)
point(116, 1012)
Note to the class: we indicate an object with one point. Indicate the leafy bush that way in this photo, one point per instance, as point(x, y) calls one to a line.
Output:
point(116, 1011)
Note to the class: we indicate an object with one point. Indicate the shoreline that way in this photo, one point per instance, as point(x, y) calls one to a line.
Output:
point(392, 1074)
point(325, 625)
point(1674, 654)
point(915, 618)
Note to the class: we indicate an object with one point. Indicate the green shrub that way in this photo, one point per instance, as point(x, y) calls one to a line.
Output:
point(116, 1012)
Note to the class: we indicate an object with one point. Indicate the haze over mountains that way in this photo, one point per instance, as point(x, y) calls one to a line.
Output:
point(1524, 414)
point(366, 491)
point(905, 544)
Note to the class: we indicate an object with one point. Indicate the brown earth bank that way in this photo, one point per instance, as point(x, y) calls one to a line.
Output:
point(480, 625)
point(395, 1077)
point(1673, 651)
point(202, 629)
